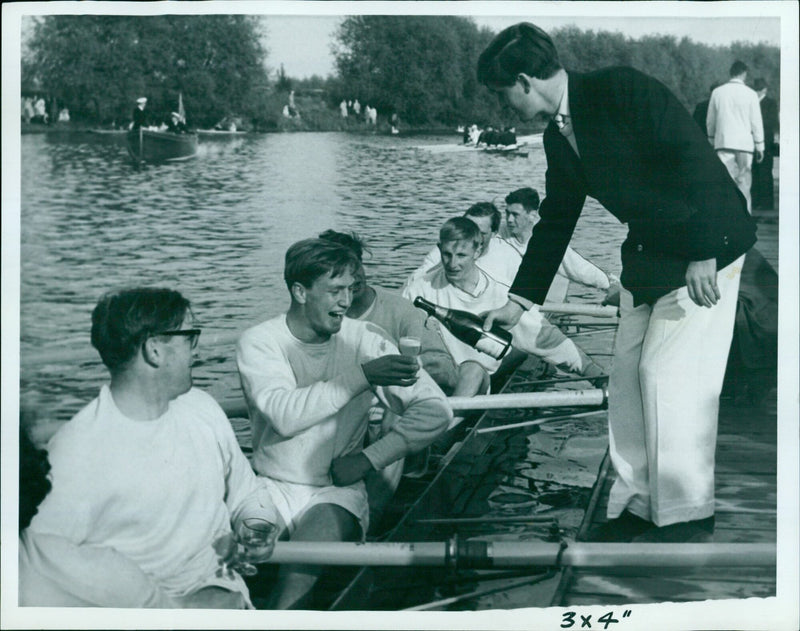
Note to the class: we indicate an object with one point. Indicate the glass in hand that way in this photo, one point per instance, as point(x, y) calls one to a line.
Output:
point(255, 538)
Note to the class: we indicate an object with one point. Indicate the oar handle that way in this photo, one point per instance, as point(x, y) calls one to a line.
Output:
point(591, 396)
point(574, 308)
point(485, 554)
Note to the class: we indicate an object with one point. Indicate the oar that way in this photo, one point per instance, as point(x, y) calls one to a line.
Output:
point(591, 396)
point(575, 308)
point(236, 408)
point(538, 421)
point(488, 554)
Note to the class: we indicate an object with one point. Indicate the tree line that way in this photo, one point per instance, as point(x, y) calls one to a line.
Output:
point(420, 67)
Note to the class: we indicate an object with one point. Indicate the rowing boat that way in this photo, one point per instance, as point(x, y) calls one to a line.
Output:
point(145, 145)
point(520, 149)
point(528, 479)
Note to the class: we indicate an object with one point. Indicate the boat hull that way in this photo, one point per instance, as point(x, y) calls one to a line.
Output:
point(157, 146)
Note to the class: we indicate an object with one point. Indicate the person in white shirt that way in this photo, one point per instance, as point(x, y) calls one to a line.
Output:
point(458, 283)
point(400, 319)
point(521, 216)
point(735, 128)
point(495, 256)
point(150, 471)
point(309, 377)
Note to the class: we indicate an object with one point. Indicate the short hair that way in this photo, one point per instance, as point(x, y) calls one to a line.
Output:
point(523, 47)
point(527, 196)
point(759, 84)
point(737, 68)
point(485, 209)
point(460, 229)
point(123, 319)
point(349, 240)
point(309, 259)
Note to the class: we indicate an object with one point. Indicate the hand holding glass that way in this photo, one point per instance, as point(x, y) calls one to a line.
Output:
point(410, 347)
point(255, 540)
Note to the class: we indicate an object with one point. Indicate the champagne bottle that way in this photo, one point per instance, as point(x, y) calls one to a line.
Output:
point(468, 328)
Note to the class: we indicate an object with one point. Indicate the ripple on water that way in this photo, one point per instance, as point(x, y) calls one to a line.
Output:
point(216, 228)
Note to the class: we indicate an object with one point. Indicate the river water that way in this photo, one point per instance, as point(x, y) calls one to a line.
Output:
point(216, 228)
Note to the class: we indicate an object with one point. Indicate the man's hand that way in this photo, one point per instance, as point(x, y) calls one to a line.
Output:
point(391, 370)
point(701, 280)
point(612, 293)
point(759, 155)
point(347, 470)
point(507, 315)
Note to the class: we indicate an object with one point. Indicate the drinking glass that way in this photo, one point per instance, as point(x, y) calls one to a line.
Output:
point(254, 538)
point(410, 347)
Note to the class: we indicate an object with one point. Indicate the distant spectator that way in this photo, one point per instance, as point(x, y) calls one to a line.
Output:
point(763, 187)
point(507, 137)
point(139, 117)
point(488, 137)
point(343, 108)
point(176, 124)
point(735, 127)
point(40, 111)
point(27, 109)
point(63, 115)
point(701, 109)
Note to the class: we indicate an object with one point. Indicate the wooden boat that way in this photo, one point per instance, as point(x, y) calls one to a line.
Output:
point(146, 145)
point(543, 478)
point(220, 133)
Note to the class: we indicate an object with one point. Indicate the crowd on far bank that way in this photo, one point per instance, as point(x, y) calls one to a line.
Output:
point(34, 109)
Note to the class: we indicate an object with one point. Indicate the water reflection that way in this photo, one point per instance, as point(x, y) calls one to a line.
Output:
point(216, 228)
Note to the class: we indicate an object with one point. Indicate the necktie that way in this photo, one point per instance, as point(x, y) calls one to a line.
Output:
point(564, 124)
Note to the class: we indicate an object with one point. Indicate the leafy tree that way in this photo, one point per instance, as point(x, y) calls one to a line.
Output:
point(98, 65)
point(422, 67)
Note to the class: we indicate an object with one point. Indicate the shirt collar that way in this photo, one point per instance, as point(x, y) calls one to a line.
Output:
point(563, 106)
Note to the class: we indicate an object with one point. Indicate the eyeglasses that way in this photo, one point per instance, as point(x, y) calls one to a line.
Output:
point(192, 334)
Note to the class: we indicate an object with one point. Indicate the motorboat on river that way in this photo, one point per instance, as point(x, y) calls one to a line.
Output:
point(145, 145)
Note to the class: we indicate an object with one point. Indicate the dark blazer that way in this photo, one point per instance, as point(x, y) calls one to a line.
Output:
point(643, 157)
point(139, 118)
point(769, 116)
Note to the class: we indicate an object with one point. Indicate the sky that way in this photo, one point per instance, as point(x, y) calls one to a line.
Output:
point(302, 43)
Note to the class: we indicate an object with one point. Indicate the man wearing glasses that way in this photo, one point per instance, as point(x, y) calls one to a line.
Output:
point(150, 469)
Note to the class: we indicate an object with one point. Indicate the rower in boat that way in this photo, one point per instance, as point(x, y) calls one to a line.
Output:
point(308, 377)
point(458, 283)
point(149, 475)
point(406, 327)
point(522, 207)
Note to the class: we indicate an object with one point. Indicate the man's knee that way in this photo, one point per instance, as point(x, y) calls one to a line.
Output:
point(327, 522)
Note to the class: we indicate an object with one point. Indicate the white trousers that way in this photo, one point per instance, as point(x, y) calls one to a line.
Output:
point(664, 387)
point(740, 166)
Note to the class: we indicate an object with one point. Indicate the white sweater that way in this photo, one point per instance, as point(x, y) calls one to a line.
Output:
point(308, 403)
point(159, 492)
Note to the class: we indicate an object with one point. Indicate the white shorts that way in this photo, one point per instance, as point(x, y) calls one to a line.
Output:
point(293, 500)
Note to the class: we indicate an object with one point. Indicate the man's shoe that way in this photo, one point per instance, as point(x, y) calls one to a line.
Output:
point(622, 529)
point(696, 531)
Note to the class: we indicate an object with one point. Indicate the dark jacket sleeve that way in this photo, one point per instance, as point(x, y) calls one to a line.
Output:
point(565, 194)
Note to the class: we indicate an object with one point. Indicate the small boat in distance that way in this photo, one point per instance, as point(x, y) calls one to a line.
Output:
point(146, 145)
